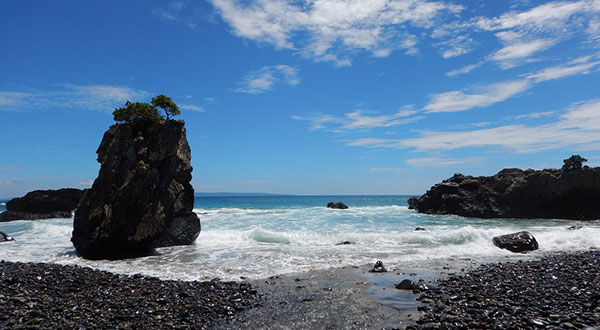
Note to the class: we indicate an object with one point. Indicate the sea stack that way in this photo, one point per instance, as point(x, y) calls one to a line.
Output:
point(42, 204)
point(142, 198)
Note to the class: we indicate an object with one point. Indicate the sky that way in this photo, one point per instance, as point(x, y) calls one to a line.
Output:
point(303, 97)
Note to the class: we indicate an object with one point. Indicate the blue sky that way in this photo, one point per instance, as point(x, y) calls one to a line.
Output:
point(303, 97)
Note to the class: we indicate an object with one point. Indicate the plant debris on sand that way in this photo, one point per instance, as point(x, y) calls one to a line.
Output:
point(49, 296)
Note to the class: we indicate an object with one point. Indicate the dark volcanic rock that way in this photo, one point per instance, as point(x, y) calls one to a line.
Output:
point(514, 193)
point(555, 292)
point(46, 201)
point(5, 238)
point(42, 204)
point(516, 242)
point(12, 215)
point(49, 296)
point(338, 205)
point(142, 197)
point(378, 268)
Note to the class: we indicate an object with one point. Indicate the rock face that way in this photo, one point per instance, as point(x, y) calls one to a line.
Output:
point(514, 193)
point(522, 241)
point(142, 197)
point(338, 205)
point(42, 204)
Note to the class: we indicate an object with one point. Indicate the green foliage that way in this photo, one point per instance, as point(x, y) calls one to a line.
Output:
point(140, 110)
point(166, 104)
point(573, 163)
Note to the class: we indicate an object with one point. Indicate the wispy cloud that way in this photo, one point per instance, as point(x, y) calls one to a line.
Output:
point(464, 69)
point(334, 29)
point(385, 169)
point(457, 46)
point(360, 120)
point(513, 54)
point(460, 101)
point(440, 162)
point(70, 96)
point(577, 127)
point(191, 107)
point(179, 12)
point(578, 66)
point(265, 78)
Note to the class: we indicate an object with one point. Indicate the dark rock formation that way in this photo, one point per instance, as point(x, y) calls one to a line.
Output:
point(142, 197)
point(338, 205)
point(378, 268)
point(344, 243)
point(12, 215)
point(576, 227)
point(522, 241)
point(42, 204)
point(5, 238)
point(420, 229)
point(514, 193)
point(410, 285)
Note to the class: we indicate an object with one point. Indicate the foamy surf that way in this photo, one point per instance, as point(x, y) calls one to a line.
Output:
point(258, 242)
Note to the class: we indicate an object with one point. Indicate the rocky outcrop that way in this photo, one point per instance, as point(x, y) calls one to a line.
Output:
point(514, 193)
point(5, 237)
point(42, 204)
point(338, 205)
point(142, 197)
point(522, 241)
point(12, 215)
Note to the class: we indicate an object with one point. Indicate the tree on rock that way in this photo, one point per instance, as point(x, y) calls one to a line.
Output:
point(140, 110)
point(573, 163)
point(166, 104)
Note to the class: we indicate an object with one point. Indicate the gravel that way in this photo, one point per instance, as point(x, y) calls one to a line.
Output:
point(50, 296)
point(558, 291)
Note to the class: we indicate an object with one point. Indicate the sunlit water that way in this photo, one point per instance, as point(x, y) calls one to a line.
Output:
point(257, 237)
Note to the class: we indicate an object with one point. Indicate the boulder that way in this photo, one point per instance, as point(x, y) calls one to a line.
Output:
point(522, 241)
point(142, 198)
point(13, 215)
point(42, 204)
point(515, 193)
point(5, 238)
point(378, 268)
point(420, 229)
point(338, 205)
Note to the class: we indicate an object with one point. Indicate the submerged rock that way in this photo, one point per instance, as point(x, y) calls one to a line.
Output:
point(514, 193)
point(142, 197)
point(338, 205)
point(522, 241)
point(42, 204)
point(5, 237)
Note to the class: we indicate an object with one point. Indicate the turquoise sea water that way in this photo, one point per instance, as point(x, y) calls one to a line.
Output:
point(257, 237)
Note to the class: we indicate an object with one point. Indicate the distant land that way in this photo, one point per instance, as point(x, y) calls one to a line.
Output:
point(233, 194)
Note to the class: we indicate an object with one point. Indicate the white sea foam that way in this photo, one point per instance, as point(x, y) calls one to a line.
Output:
point(258, 243)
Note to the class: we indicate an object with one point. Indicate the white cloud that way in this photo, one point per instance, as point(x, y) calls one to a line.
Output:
point(557, 72)
point(333, 29)
point(459, 101)
point(464, 69)
point(510, 55)
point(536, 115)
point(70, 96)
point(191, 107)
point(578, 127)
point(265, 78)
point(456, 46)
point(179, 12)
point(439, 162)
point(360, 120)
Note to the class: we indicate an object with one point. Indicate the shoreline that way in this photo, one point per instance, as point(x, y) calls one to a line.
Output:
point(52, 295)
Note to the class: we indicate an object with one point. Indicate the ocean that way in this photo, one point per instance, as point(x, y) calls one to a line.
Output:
point(260, 236)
